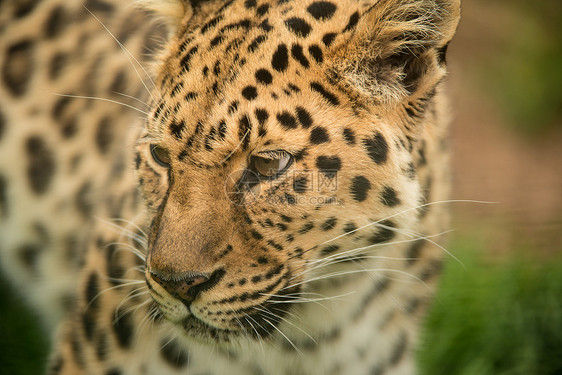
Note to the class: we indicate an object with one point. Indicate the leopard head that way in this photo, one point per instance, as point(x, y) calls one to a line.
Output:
point(281, 137)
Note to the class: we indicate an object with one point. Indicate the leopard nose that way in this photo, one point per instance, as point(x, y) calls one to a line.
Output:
point(187, 285)
point(185, 288)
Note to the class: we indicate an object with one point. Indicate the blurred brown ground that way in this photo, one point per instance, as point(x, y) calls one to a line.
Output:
point(492, 160)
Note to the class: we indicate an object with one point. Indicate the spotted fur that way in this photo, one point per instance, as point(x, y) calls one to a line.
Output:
point(162, 244)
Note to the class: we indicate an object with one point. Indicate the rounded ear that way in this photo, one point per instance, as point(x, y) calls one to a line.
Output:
point(398, 48)
point(171, 12)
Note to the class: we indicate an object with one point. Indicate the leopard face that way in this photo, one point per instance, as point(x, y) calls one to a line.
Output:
point(284, 136)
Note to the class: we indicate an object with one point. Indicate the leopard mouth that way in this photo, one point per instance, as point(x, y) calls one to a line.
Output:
point(222, 321)
point(197, 329)
point(255, 322)
point(259, 325)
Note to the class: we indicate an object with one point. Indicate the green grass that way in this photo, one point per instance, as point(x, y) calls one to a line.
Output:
point(488, 319)
point(23, 344)
point(496, 319)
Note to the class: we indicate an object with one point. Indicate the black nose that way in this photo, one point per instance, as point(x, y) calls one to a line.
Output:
point(187, 286)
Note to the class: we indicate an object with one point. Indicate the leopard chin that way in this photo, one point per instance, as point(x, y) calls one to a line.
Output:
point(261, 324)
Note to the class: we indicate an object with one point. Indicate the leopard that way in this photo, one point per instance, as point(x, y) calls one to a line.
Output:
point(226, 186)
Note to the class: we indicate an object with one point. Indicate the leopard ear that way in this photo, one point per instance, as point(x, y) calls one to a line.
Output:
point(397, 49)
point(172, 12)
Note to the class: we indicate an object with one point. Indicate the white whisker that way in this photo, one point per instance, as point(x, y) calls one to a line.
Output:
point(132, 282)
point(130, 248)
point(276, 316)
point(351, 272)
point(343, 256)
point(255, 330)
point(285, 336)
point(307, 300)
point(128, 54)
point(124, 231)
point(237, 146)
point(131, 223)
point(347, 253)
point(406, 211)
point(102, 99)
point(134, 293)
point(131, 97)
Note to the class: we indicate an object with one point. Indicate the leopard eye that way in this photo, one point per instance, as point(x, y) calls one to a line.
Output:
point(271, 166)
point(160, 155)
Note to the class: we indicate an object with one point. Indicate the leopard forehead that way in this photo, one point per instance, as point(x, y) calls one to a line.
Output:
point(250, 73)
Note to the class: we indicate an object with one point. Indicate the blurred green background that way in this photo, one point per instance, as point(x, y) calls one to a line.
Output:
point(506, 88)
point(495, 317)
point(502, 312)
point(516, 56)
